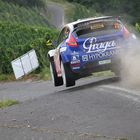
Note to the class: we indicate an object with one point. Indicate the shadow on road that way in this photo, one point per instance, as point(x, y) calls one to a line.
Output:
point(92, 84)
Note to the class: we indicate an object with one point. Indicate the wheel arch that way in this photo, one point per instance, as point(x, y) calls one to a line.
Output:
point(51, 55)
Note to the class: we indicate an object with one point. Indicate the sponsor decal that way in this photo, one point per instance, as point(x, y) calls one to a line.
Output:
point(63, 49)
point(75, 68)
point(75, 62)
point(85, 57)
point(75, 53)
point(97, 26)
point(104, 62)
point(75, 58)
point(99, 55)
point(91, 45)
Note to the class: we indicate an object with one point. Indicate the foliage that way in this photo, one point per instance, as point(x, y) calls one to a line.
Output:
point(7, 77)
point(29, 3)
point(17, 39)
point(114, 7)
point(16, 14)
point(6, 103)
point(79, 11)
point(23, 26)
point(137, 27)
point(45, 74)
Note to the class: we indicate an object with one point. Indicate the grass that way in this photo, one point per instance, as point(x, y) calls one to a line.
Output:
point(7, 77)
point(45, 74)
point(7, 103)
point(18, 14)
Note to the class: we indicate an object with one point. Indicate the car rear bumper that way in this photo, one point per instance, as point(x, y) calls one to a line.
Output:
point(97, 66)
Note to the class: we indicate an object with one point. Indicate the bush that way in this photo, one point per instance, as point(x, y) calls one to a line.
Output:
point(16, 14)
point(17, 39)
point(126, 8)
point(29, 3)
point(78, 11)
point(137, 27)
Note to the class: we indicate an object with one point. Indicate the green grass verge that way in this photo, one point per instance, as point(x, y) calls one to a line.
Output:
point(7, 77)
point(44, 74)
point(6, 103)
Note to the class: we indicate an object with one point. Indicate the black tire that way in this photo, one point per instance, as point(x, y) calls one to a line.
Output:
point(57, 81)
point(67, 75)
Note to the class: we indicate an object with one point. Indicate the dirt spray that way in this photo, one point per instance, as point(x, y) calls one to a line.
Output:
point(130, 59)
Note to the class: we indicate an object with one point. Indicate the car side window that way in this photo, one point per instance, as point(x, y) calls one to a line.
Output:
point(63, 35)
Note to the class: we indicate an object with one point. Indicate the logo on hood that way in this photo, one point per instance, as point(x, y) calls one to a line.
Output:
point(90, 45)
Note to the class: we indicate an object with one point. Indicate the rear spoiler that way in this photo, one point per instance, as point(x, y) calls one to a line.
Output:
point(92, 20)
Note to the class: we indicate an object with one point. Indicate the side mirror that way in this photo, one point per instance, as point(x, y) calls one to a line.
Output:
point(54, 43)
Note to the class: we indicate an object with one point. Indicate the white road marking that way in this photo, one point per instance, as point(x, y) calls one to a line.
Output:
point(130, 94)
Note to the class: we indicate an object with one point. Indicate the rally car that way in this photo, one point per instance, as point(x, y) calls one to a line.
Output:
point(86, 46)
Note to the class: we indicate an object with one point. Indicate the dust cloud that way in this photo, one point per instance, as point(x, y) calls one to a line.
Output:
point(130, 59)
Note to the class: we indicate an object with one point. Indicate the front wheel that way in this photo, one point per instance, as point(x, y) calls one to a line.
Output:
point(57, 81)
point(67, 75)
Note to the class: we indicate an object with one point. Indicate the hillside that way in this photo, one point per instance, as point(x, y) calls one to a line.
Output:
point(129, 10)
point(22, 28)
point(14, 13)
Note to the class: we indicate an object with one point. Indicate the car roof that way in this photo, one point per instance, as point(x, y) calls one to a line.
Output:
point(72, 24)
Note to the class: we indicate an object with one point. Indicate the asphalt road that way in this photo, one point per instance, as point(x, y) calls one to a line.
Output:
point(56, 13)
point(95, 109)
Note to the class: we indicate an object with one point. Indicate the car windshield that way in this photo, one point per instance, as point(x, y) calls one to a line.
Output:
point(98, 28)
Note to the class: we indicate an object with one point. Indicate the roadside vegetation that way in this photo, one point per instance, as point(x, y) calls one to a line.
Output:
point(6, 103)
point(78, 9)
point(14, 13)
point(27, 3)
point(126, 8)
point(17, 39)
point(137, 27)
point(23, 26)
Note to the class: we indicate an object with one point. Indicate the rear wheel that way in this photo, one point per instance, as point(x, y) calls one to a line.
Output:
point(58, 81)
point(67, 75)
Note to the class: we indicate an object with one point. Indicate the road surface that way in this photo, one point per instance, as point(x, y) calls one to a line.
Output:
point(95, 109)
point(56, 13)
